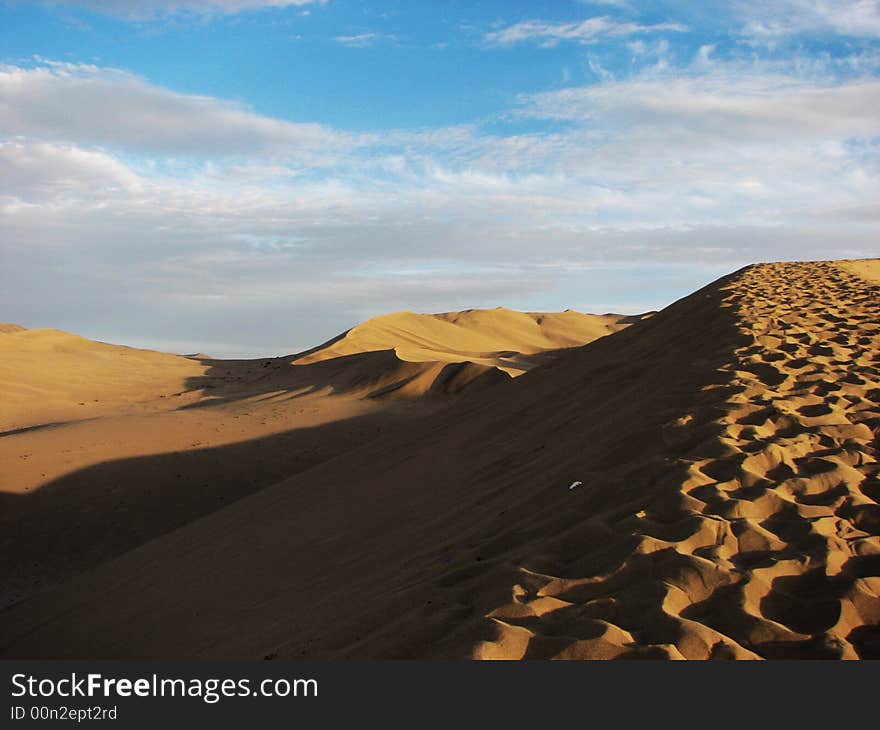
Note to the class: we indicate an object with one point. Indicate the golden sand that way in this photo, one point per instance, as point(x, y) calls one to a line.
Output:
point(728, 506)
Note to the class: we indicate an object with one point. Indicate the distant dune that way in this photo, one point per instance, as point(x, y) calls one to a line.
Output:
point(498, 337)
point(48, 375)
point(868, 269)
point(409, 355)
point(701, 484)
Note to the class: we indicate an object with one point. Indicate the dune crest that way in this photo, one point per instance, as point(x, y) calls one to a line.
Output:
point(407, 356)
point(500, 338)
point(8, 328)
point(761, 540)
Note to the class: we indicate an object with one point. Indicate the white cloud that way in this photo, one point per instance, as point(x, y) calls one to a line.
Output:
point(44, 171)
point(362, 40)
point(110, 107)
point(733, 146)
point(592, 30)
point(855, 18)
point(659, 149)
point(741, 107)
point(143, 9)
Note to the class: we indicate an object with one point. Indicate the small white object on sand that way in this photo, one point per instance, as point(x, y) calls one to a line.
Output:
point(574, 485)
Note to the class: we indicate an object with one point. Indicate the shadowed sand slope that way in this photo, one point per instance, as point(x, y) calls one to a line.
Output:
point(726, 450)
point(382, 374)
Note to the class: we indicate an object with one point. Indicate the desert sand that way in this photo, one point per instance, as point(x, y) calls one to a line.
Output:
point(52, 376)
point(726, 450)
point(105, 447)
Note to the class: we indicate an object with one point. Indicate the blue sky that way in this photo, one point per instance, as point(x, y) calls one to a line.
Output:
point(249, 177)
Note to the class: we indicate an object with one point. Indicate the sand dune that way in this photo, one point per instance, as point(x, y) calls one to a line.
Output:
point(868, 269)
point(762, 539)
point(726, 450)
point(383, 374)
point(499, 338)
point(150, 441)
point(408, 355)
point(51, 376)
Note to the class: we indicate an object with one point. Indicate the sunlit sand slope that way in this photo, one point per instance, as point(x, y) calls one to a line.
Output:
point(762, 537)
point(499, 337)
point(49, 375)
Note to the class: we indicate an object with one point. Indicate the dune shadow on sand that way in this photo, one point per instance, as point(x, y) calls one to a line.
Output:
point(375, 374)
point(95, 514)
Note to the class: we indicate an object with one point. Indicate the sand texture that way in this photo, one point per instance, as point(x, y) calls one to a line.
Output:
point(726, 450)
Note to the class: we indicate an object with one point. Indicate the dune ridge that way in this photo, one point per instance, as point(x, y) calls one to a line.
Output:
point(500, 338)
point(383, 374)
point(763, 537)
point(406, 355)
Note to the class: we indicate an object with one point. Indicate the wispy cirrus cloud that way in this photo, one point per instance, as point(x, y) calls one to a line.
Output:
point(853, 18)
point(745, 106)
point(591, 30)
point(363, 40)
point(144, 9)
